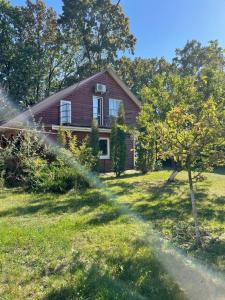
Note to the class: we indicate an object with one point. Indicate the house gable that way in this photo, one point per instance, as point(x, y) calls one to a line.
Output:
point(81, 95)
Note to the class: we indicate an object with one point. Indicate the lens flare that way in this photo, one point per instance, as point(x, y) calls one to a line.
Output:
point(197, 281)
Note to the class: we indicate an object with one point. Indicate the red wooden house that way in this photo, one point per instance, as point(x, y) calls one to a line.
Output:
point(75, 107)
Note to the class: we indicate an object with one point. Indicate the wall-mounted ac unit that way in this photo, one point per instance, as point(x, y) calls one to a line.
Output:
point(100, 88)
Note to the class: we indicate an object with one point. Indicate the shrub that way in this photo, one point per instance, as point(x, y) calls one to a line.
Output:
point(27, 162)
point(53, 178)
point(118, 143)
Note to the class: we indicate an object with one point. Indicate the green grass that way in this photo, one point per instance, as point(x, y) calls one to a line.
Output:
point(168, 208)
point(80, 246)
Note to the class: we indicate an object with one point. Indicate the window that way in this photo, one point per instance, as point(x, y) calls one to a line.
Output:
point(114, 106)
point(98, 109)
point(65, 112)
point(104, 148)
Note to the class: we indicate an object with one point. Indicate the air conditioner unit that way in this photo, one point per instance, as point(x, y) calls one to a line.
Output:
point(100, 88)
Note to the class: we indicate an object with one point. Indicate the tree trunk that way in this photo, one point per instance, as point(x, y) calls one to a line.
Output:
point(176, 170)
point(194, 209)
point(172, 176)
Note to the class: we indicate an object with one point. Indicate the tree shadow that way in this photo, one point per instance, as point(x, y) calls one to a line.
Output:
point(213, 253)
point(219, 170)
point(47, 205)
point(134, 277)
point(220, 200)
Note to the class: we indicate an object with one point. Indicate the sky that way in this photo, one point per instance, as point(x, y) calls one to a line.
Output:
point(161, 26)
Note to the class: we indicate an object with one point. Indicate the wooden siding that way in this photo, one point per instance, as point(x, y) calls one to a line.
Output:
point(81, 103)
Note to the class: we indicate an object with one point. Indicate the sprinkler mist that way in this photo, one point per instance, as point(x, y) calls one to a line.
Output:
point(197, 281)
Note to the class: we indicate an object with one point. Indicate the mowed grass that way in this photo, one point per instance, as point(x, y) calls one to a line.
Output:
point(75, 247)
point(168, 208)
point(81, 246)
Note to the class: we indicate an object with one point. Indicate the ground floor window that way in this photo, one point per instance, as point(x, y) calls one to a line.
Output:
point(104, 148)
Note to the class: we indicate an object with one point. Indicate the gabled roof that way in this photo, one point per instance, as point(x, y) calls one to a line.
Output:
point(65, 92)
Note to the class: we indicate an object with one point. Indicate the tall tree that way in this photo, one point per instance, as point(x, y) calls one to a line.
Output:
point(193, 57)
point(139, 72)
point(103, 31)
point(6, 40)
point(118, 143)
point(39, 57)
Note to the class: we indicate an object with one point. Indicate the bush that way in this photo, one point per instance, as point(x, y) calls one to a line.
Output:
point(55, 178)
point(27, 162)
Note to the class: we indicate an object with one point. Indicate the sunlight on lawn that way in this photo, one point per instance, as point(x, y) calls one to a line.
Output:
point(58, 241)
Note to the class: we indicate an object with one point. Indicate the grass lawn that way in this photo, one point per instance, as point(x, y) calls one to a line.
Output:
point(81, 246)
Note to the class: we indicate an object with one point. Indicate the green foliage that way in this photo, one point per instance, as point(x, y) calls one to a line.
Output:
point(83, 152)
point(62, 136)
point(194, 57)
point(146, 140)
point(15, 156)
point(140, 72)
point(102, 29)
point(35, 56)
point(194, 139)
point(55, 178)
point(94, 144)
point(118, 143)
point(27, 162)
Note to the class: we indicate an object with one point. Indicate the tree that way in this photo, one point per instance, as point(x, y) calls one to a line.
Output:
point(94, 144)
point(147, 139)
point(36, 56)
point(118, 143)
point(7, 110)
point(62, 136)
point(102, 29)
point(140, 72)
point(193, 57)
point(6, 40)
point(194, 138)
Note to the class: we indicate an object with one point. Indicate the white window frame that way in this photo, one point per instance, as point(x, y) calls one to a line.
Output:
point(117, 101)
point(101, 112)
point(108, 148)
point(62, 102)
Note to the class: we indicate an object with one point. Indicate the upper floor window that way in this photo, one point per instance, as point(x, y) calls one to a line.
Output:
point(114, 105)
point(98, 109)
point(65, 112)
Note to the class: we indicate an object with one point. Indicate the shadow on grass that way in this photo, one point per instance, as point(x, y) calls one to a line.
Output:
point(219, 170)
point(135, 277)
point(53, 204)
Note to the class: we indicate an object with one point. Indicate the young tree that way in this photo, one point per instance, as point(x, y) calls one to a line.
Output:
point(118, 143)
point(94, 144)
point(194, 139)
point(62, 136)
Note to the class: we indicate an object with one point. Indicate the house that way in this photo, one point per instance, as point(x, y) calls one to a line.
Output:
point(98, 97)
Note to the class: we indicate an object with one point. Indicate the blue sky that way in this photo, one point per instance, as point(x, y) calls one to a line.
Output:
point(161, 26)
